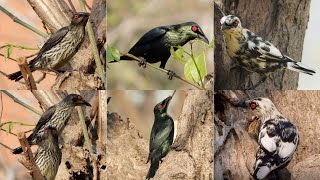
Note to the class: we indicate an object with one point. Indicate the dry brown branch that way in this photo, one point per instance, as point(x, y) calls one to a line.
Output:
point(26, 73)
point(28, 160)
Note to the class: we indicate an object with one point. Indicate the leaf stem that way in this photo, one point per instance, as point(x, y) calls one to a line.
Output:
point(19, 21)
point(20, 102)
point(194, 61)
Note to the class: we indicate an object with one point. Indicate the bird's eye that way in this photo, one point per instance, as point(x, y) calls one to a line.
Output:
point(159, 106)
point(194, 28)
point(79, 97)
point(76, 16)
point(253, 105)
point(235, 23)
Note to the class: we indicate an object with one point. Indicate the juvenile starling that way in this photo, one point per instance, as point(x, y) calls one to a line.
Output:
point(161, 137)
point(254, 53)
point(48, 154)
point(56, 116)
point(154, 46)
point(278, 138)
point(59, 48)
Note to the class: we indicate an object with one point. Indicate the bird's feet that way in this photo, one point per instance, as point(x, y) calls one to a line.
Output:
point(171, 74)
point(142, 62)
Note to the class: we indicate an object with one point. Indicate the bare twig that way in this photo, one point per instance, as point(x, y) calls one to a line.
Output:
point(30, 163)
point(5, 146)
point(7, 57)
point(16, 100)
point(9, 132)
point(94, 48)
point(27, 57)
point(160, 69)
point(26, 73)
point(19, 21)
point(85, 2)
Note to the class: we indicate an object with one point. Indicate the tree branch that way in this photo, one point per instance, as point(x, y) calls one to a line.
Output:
point(26, 73)
point(19, 21)
point(29, 161)
point(160, 69)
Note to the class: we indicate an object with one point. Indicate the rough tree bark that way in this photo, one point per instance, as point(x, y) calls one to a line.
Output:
point(236, 133)
point(77, 162)
point(191, 154)
point(282, 22)
point(56, 14)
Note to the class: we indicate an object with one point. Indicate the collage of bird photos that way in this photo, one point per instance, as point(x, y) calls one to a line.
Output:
point(161, 90)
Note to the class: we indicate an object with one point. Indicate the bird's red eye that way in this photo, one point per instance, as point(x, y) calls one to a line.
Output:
point(159, 106)
point(194, 28)
point(76, 16)
point(253, 105)
point(79, 98)
point(235, 23)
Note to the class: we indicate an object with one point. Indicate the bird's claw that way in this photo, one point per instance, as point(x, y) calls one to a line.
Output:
point(171, 74)
point(142, 62)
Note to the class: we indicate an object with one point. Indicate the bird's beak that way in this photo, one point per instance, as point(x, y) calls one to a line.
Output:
point(83, 102)
point(243, 104)
point(204, 38)
point(84, 14)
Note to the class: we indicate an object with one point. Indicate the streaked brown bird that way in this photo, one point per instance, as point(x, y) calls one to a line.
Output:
point(48, 155)
point(59, 48)
point(56, 116)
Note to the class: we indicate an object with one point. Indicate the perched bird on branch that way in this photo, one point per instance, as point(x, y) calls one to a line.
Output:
point(56, 116)
point(48, 155)
point(154, 46)
point(278, 138)
point(59, 48)
point(255, 54)
point(161, 137)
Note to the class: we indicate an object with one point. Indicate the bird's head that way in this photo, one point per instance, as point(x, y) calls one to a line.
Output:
point(75, 100)
point(230, 22)
point(262, 107)
point(80, 18)
point(194, 31)
point(162, 107)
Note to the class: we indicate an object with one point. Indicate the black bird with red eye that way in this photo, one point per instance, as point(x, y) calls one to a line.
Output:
point(161, 137)
point(154, 46)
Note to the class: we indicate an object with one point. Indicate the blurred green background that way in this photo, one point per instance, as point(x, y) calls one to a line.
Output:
point(128, 20)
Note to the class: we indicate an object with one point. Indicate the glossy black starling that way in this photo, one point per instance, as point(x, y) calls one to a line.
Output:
point(59, 48)
point(161, 137)
point(154, 46)
point(56, 116)
point(48, 155)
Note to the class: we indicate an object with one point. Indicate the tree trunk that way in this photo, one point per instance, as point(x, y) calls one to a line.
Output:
point(282, 22)
point(236, 133)
point(191, 153)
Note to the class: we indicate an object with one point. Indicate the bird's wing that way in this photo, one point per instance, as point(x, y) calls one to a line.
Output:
point(151, 35)
point(44, 118)
point(160, 136)
point(54, 39)
point(279, 137)
point(261, 49)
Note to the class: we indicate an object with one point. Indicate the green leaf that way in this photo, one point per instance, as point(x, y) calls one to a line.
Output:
point(191, 72)
point(211, 44)
point(112, 54)
point(178, 54)
point(10, 127)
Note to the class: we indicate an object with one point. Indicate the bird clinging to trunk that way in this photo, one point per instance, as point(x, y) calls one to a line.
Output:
point(161, 137)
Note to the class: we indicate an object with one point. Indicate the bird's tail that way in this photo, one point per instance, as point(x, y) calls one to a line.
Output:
point(121, 58)
point(153, 168)
point(17, 75)
point(298, 67)
point(17, 150)
point(261, 172)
